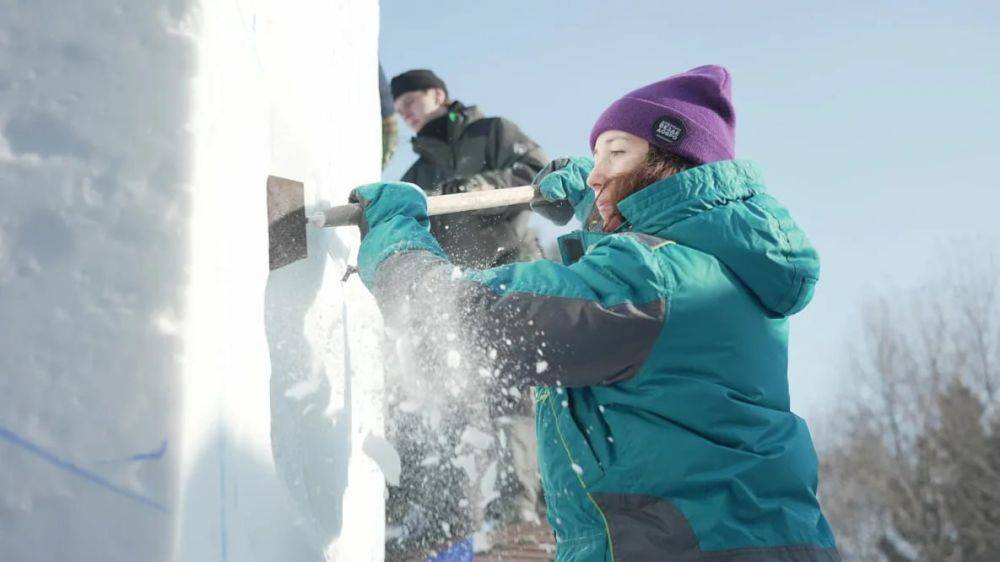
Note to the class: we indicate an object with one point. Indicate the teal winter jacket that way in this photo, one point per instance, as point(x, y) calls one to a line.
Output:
point(659, 356)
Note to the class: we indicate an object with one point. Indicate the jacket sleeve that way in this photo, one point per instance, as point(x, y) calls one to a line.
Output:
point(515, 160)
point(590, 323)
point(411, 175)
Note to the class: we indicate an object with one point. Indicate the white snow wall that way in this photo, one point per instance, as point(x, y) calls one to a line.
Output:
point(140, 417)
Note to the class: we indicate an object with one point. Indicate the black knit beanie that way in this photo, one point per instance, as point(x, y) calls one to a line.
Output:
point(415, 80)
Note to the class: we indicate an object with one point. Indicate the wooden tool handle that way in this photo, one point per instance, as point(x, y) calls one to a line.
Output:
point(346, 215)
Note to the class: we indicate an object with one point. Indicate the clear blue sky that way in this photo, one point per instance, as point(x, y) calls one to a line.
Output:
point(876, 123)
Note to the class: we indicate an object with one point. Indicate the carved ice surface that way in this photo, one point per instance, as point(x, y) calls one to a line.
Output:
point(162, 397)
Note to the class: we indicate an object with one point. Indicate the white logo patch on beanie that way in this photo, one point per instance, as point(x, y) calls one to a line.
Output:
point(669, 129)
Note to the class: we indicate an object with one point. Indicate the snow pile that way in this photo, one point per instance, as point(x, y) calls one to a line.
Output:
point(137, 402)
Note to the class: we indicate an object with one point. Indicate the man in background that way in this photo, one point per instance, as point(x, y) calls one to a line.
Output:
point(461, 150)
point(441, 501)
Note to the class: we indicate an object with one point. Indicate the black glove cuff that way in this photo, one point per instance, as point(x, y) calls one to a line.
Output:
point(559, 212)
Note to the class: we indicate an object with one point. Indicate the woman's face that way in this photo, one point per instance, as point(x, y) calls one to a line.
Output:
point(616, 154)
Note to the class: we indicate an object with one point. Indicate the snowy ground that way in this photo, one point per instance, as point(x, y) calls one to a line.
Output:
point(137, 400)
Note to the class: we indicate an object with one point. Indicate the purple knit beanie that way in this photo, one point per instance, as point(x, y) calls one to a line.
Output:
point(689, 114)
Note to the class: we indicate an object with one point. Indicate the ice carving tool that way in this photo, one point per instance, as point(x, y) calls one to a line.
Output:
point(286, 221)
point(350, 214)
point(287, 218)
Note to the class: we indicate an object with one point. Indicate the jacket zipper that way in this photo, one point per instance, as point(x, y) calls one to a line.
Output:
point(579, 477)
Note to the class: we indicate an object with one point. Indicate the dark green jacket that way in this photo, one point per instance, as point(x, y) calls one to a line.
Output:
point(494, 153)
point(660, 355)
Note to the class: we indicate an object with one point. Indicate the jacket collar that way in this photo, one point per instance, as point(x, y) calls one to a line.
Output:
point(663, 204)
point(451, 125)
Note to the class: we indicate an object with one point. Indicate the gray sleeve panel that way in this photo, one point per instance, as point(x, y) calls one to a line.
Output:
point(538, 339)
point(565, 341)
point(650, 529)
point(411, 285)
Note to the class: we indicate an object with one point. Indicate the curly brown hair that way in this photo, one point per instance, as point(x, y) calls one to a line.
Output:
point(659, 164)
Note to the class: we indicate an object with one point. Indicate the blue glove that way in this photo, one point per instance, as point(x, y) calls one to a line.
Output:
point(563, 184)
point(394, 219)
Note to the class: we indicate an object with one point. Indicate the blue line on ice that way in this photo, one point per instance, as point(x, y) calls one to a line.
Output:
point(71, 468)
point(152, 455)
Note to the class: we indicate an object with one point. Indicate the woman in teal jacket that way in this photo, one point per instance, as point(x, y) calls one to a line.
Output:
point(658, 348)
